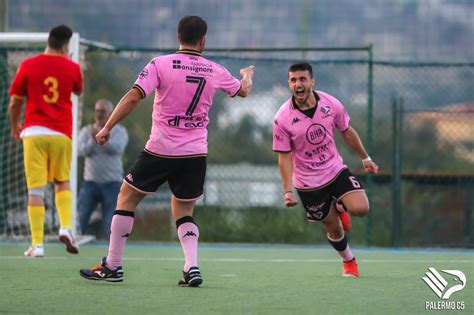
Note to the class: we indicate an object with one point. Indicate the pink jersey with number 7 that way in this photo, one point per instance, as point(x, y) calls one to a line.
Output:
point(185, 84)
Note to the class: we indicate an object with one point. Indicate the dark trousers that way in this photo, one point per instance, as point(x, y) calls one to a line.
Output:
point(92, 194)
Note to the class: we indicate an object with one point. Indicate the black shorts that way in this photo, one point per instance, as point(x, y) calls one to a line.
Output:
point(317, 202)
point(185, 175)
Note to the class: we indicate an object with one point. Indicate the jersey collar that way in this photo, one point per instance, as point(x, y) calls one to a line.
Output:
point(52, 54)
point(189, 52)
point(296, 107)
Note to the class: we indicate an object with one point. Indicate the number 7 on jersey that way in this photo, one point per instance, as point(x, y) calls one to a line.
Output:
point(201, 83)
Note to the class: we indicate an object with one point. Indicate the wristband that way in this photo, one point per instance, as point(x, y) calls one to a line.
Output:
point(367, 159)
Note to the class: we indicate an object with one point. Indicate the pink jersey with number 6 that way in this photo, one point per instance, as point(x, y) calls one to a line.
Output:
point(184, 85)
point(316, 160)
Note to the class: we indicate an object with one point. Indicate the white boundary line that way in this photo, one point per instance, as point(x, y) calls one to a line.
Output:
point(269, 260)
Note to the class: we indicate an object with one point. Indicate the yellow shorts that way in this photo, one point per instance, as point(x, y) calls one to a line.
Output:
point(46, 158)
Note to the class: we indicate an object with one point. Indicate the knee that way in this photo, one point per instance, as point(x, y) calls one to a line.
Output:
point(359, 210)
point(335, 234)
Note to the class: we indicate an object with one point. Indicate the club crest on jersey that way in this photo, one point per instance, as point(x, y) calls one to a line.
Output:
point(325, 110)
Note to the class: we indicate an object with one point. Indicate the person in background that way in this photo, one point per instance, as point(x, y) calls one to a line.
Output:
point(103, 168)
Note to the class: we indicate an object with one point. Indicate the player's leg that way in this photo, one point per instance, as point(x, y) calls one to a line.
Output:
point(188, 234)
point(35, 162)
point(110, 267)
point(187, 230)
point(320, 207)
point(122, 223)
point(350, 192)
point(350, 198)
point(338, 239)
point(137, 184)
point(356, 203)
point(87, 201)
point(343, 215)
point(187, 185)
point(59, 166)
point(63, 201)
point(36, 212)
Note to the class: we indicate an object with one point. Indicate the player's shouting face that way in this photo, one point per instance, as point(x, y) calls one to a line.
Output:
point(301, 84)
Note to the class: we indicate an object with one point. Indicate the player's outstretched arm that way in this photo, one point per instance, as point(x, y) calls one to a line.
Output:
point(246, 82)
point(286, 172)
point(14, 113)
point(352, 139)
point(124, 107)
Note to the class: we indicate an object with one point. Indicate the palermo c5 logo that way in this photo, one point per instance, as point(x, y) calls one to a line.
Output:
point(440, 286)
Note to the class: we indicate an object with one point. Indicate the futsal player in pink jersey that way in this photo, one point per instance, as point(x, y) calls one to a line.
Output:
point(184, 84)
point(303, 136)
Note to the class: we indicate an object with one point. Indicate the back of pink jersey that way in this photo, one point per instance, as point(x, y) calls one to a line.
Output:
point(185, 84)
point(316, 160)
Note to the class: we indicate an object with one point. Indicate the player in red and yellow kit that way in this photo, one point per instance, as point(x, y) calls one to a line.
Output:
point(46, 81)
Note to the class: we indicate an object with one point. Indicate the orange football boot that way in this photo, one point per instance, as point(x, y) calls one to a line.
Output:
point(350, 269)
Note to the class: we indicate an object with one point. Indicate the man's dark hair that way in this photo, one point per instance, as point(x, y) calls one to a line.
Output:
point(58, 36)
point(191, 29)
point(301, 66)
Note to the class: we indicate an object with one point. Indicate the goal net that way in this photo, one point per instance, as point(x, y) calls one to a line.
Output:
point(15, 47)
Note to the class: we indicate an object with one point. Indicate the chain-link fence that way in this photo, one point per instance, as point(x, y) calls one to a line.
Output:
point(420, 131)
point(424, 117)
point(243, 193)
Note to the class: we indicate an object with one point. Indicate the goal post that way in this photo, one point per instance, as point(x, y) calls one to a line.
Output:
point(15, 47)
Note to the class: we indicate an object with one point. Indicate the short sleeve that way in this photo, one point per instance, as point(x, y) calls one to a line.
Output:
point(19, 84)
point(148, 79)
point(341, 119)
point(281, 138)
point(78, 83)
point(228, 83)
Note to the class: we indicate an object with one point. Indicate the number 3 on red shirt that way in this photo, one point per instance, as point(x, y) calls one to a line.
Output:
point(53, 94)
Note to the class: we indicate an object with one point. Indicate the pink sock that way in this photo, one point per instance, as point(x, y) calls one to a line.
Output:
point(342, 247)
point(188, 234)
point(120, 229)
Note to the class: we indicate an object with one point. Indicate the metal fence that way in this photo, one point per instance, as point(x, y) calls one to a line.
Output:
point(416, 119)
point(431, 147)
point(408, 201)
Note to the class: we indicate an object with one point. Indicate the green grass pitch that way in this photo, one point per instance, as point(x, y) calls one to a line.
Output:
point(238, 279)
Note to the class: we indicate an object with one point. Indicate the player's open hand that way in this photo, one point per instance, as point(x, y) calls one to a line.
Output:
point(103, 136)
point(290, 199)
point(370, 167)
point(247, 72)
point(16, 130)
